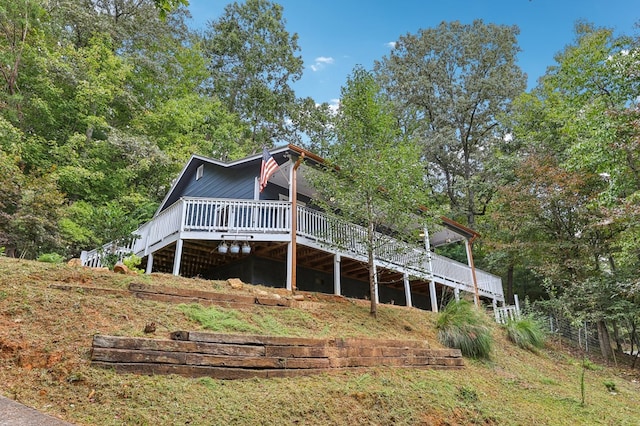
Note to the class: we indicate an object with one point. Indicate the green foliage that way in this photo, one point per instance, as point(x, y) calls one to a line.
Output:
point(252, 59)
point(217, 319)
point(462, 326)
point(572, 178)
point(526, 332)
point(587, 364)
point(610, 385)
point(467, 394)
point(51, 258)
point(11, 179)
point(364, 185)
point(133, 263)
point(451, 84)
point(35, 223)
point(109, 260)
point(167, 6)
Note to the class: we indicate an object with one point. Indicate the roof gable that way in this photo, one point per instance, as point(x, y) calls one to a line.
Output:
point(245, 169)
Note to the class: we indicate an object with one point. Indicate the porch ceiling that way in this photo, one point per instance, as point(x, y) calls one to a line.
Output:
point(302, 184)
point(200, 256)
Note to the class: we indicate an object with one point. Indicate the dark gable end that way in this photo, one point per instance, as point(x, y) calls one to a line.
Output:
point(218, 180)
point(235, 180)
point(222, 182)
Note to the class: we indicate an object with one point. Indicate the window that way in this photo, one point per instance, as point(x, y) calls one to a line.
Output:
point(200, 172)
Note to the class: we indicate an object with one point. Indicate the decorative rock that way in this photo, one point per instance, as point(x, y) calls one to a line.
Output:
point(235, 283)
point(261, 293)
point(75, 262)
point(276, 296)
point(120, 268)
point(298, 297)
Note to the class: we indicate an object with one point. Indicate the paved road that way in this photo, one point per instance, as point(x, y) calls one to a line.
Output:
point(13, 413)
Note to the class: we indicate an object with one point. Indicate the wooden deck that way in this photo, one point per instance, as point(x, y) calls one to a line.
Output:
point(200, 225)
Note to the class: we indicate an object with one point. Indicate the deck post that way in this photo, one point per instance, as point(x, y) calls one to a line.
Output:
point(433, 295)
point(456, 293)
point(289, 266)
point(474, 280)
point(292, 253)
point(178, 257)
point(149, 264)
point(336, 275)
point(407, 290)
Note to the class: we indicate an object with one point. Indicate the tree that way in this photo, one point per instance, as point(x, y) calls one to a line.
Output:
point(575, 187)
point(376, 177)
point(34, 226)
point(252, 60)
point(166, 6)
point(10, 181)
point(314, 125)
point(450, 85)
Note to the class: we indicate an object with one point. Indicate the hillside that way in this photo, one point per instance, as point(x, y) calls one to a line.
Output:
point(49, 314)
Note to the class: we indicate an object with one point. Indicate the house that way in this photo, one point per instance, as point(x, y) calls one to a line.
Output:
point(216, 223)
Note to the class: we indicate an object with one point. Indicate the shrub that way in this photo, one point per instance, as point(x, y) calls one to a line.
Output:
point(467, 394)
point(610, 385)
point(51, 258)
point(460, 325)
point(109, 260)
point(133, 262)
point(526, 332)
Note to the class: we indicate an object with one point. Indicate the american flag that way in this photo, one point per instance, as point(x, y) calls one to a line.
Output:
point(268, 168)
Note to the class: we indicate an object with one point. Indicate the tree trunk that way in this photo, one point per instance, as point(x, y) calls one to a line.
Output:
point(616, 336)
point(371, 258)
point(510, 298)
point(372, 285)
point(603, 339)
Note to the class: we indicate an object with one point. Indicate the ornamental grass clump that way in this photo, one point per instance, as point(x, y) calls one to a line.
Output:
point(526, 332)
point(460, 325)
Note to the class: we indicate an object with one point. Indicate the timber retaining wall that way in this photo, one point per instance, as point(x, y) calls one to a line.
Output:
point(228, 356)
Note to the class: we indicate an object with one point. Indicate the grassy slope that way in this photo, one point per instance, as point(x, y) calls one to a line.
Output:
point(45, 339)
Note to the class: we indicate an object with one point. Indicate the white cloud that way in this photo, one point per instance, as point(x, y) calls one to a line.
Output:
point(334, 105)
point(321, 62)
point(391, 45)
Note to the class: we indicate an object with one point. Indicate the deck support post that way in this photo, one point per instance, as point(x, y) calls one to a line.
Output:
point(149, 263)
point(495, 310)
point(433, 295)
point(177, 257)
point(292, 261)
point(456, 294)
point(474, 280)
point(407, 290)
point(337, 290)
point(289, 266)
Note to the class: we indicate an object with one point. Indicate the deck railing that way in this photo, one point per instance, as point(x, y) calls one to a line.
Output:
point(248, 216)
point(333, 231)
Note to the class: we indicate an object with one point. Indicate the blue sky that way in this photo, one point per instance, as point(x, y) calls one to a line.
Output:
point(337, 35)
